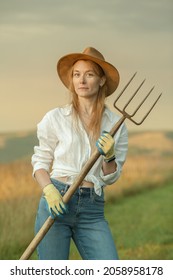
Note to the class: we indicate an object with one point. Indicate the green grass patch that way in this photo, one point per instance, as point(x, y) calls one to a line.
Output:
point(143, 224)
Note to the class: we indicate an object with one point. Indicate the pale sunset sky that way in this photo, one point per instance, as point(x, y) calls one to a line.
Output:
point(133, 35)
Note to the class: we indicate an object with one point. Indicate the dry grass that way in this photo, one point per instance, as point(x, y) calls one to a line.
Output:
point(17, 181)
point(138, 172)
point(149, 163)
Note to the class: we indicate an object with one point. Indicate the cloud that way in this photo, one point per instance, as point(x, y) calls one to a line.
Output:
point(149, 15)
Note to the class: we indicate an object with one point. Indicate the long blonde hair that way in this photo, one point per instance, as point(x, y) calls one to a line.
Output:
point(94, 126)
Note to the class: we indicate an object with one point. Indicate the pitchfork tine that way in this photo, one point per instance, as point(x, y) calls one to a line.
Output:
point(125, 87)
point(133, 95)
point(125, 113)
point(139, 106)
point(139, 123)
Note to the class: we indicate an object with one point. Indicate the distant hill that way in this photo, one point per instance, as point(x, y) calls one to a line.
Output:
point(151, 142)
point(15, 146)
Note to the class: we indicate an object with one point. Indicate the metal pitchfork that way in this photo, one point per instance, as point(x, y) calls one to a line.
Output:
point(49, 222)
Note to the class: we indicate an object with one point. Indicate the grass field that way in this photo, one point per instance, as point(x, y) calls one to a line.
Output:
point(139, 205)
point(141, 224)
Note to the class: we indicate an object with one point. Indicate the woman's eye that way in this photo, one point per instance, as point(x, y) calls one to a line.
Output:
point(75, 74)
point(90, 74)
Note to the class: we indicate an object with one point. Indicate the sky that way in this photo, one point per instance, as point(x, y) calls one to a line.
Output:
point(133, 35)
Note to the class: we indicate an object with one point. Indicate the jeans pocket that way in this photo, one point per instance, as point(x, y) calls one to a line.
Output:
point(99, 200)
point(60, 186)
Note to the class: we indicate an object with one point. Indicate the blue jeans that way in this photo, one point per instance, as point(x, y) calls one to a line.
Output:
point(85, 224)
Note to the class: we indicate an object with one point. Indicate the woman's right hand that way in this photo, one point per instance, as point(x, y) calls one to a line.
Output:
point(54, 201)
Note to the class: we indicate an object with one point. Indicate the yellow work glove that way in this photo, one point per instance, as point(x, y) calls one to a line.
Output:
point(56, 206)
point(105, 145)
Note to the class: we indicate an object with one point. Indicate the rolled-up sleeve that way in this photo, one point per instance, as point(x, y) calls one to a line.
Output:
point(44, 152)
point(121, 147)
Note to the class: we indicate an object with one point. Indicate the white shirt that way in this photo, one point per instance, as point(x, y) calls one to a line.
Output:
point(69, 150)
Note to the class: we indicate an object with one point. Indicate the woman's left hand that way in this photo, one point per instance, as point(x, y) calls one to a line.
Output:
point(106, 146)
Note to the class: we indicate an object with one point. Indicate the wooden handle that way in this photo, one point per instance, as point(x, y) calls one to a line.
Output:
point(67, 196)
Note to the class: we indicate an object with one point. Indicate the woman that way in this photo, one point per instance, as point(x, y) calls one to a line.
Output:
point(67, 137)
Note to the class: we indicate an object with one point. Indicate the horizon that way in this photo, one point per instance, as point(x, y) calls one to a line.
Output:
point(23, 133)
point(20, 145)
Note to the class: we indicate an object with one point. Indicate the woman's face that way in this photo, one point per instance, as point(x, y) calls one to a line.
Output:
point(86, 79)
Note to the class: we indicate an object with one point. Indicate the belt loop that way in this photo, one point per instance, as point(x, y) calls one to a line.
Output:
point(66, 187)
point(91, 192)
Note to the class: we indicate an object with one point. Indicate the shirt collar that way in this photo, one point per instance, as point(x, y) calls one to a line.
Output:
point(108, 113)
point(67, 110)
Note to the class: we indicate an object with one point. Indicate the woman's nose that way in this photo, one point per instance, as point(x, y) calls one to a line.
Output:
point(82, 79)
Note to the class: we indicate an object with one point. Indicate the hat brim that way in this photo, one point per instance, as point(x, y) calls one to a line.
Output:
point(65, 64)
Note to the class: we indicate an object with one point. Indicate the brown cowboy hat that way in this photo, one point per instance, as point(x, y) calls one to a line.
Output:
point(64, 67)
